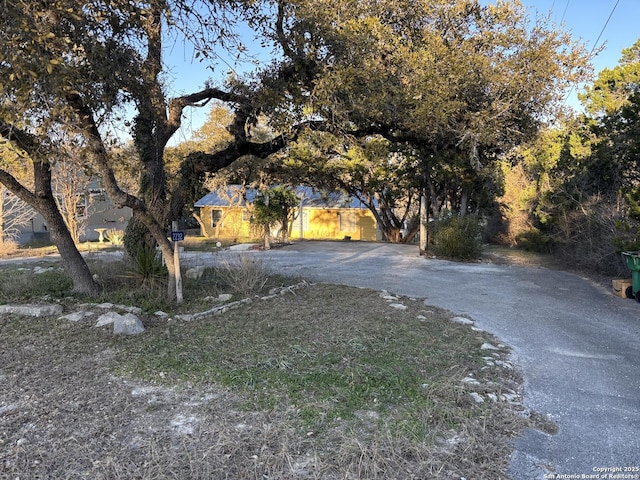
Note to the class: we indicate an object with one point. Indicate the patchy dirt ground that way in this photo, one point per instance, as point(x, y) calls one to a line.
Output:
point(522, 258)
point(65, 415)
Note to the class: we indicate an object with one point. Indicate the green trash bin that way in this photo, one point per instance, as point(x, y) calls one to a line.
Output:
point(633, 264)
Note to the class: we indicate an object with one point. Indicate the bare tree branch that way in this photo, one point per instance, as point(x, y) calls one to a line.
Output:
point(14, 213)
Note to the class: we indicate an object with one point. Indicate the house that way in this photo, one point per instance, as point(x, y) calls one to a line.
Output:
point(95, 212)
point(226, 214)
point(100, 213)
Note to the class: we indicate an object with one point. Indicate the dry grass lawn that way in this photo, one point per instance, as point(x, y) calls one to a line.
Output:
point(327, 382)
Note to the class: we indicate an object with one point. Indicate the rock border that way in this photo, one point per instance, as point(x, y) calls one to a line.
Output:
point(219, 310)
point(129, 323)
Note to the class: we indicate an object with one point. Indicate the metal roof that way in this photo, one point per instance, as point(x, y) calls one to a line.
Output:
point(311, 198)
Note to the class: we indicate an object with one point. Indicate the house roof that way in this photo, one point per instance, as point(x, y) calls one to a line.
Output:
point(227, 198)
point(311, 198)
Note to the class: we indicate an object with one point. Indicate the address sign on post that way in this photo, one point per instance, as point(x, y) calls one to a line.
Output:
point(177, 236)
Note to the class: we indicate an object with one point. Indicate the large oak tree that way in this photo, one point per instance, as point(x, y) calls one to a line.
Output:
point(457, 83)
point(439, 75)
point(68, 68)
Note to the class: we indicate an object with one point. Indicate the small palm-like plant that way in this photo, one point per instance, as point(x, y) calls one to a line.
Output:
point(148, 268)
point(115, 236)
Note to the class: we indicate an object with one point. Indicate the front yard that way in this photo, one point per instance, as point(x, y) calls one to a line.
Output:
point(321, 382)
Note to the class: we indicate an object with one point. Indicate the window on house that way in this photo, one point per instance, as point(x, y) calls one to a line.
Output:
point(81, 206)
point(246, 216)
point(347, 221)
point(98, 194)
point(216, 216)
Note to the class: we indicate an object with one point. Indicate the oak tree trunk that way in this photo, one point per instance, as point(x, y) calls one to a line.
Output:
point(73, 261)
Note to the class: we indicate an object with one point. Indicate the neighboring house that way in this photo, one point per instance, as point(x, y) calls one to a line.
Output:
point(101, 213)
point(319, 216)
point(96, 210)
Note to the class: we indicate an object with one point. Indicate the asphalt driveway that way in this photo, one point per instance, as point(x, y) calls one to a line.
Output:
point(578, 345)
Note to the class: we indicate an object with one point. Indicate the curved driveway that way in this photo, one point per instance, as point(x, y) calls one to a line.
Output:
point(578, 346)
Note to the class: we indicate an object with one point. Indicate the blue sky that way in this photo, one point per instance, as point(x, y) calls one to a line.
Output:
point(612, 23)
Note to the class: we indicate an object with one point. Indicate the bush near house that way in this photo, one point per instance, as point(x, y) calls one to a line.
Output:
point(457, 237)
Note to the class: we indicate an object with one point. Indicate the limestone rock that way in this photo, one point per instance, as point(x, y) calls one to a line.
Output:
point(223, 297)
point(195, 272)
point(387, 296)
point(462, 321)
point(107, 319)
point(29, 310)
point(39, 270)
point(126, 308)
point(76, 316)
point(127, 324)
point(398, 306)
point(476, 397)
point(470, 381)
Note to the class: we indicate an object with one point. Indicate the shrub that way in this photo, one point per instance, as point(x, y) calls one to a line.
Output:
point(7, 247)
point(533, 240)
point(148, 268)
point(592, 236)
point(115, 236)
point(458, 237)
point(244, 274)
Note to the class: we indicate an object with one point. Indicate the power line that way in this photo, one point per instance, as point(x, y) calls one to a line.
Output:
point(565, 10)
point(605, 26)
point(595, 43)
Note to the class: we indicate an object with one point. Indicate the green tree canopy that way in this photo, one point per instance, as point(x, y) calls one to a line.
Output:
point(441, 73)
point(456, 77)
point(452, 83)
point(271, 207)
point(581, 177)
point(68, 68)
